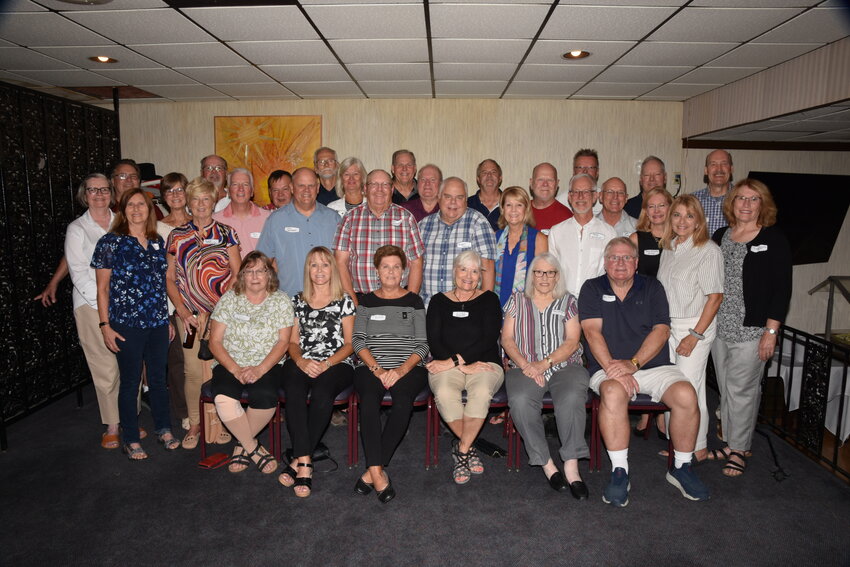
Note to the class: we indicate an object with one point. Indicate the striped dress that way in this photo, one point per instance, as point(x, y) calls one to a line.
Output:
point(392, 329)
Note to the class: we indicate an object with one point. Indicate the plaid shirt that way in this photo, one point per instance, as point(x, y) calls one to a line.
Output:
point(361, 233)
point(444, 241)
point(713, 207)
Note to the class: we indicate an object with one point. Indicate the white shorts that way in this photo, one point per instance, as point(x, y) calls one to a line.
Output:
point(653, 382)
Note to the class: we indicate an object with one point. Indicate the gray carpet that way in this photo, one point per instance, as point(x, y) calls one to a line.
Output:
point(64, 500)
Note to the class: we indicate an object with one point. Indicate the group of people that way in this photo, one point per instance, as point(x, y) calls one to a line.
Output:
point(402, 282)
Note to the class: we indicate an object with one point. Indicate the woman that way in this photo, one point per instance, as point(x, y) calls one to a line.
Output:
point(757, 284)
point(350, 185)
point(390, 340)
point(463, 333)
point(130, 272)
point(517, 241)
point(692, 274)
point(249, 334)
point(320, 364)
point(81, 237)
point(203, 255)
point(541, 337)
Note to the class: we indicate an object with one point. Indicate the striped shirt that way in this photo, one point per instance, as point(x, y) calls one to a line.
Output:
point(689, 273)
point(538, 333)
point(392, 329)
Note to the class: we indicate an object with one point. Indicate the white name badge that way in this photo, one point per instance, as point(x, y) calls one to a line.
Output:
point(558, 312)
point(210, 240)
point(396, 222)
point(291, 229)
point(241, 317)
point(255, 235)
point(651, 252)
point(154, 245)
point(545, 231)
point(460, 314)
point(378, 317)
point(463, 245)
point(609, 298)
point(597, 235)
point(759, 248)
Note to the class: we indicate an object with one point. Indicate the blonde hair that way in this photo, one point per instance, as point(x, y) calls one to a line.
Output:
point(694, 207)
point(643, 223)
point(336, 283)
point(200, 186)
point(521, 195)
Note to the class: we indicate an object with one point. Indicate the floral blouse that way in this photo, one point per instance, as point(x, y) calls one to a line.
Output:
point(252, 330)
point(321, 329)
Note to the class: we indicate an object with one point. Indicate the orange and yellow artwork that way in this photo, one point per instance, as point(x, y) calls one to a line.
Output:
point(262, 144)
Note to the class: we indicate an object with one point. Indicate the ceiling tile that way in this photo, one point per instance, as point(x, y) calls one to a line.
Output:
point(662, 98)
point(141, 26)
point(673, 54)
point(79, 56)
point(601, 52)
point(381, 50)
point(225, 74)
point(479, 50)
point(185, 91)
point(755, 3)
point(254, 23)
point(23, 58)
point(630, 90)
point(335, 2)
point(138, 77)
point(675, 3)
point(763, 54)
point(822, 24)
point(803, 126)
point(600, 23)
point(682, 89)
point(368, 21)
point(304, 52)
point(329, 89)
point(270, 90)
point(388, 72)
point(190, 54)
point(21, 6)
point(717, 75)
point(473, 71)
point(306, 73)
point(641, 74)
point(400, 88)
point(470, 88)
point(531, 88)
point(770, 136)
point(491, 21)
point(559, 72)
point(16, 79)
point(600, 97)
point(120, 5)
point(721, 24)
point(70, 78)
point(833, 136)
point(18, 28)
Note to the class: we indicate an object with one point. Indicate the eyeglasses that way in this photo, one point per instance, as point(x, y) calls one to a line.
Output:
point(126, 176)
point(376, 185)
point(174, 190)
point(657, 207)
point(218, 168)
point(625, 258)
point(98, 190)
point(753, 199)
point(585, 168)
point(545, 273)
point(260, 272)
point(581, 193)
point(324, 162)
point(611, 193)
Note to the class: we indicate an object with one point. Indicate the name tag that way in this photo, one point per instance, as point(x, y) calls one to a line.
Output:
point(759, 248)
point(241, 317)
point(211, 241)
point(558, 312)
point(651, 252)
point(609, 298)
point(396, 222)
point(545, 231)
point(154, 245)
point(255, 235)
point(463, 245)
point(378, 318)
point(290, 229)
point(597, 235)
point(460, 314)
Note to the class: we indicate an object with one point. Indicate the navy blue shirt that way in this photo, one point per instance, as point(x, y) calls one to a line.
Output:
point(492, 217)
point(326, 196)
point(627, 323)
point(137, 284)
point(634, 205)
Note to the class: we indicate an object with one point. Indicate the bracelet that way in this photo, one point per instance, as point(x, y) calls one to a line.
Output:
point(769, 330)
point(374, 368)
point(327, 364)
point(549, 358)
point(698, 336)
point(636, 363)
point(102, 324)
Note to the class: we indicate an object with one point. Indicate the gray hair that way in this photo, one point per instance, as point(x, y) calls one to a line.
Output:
point(560, 289)
point(648, 159)
point(620, 240)
point(345, 164)
point(468, 257)
point(324, 149)
point(241, 170)
point(447, 179)
point(81, 191)
point(578, 176)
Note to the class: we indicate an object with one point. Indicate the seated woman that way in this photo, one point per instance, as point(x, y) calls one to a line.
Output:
point(541, 337)
point(389, 337)
point(320, 364)
point(249, 335)
point(463, 333)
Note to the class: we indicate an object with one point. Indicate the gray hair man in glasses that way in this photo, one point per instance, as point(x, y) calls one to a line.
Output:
point(613, 200)
point(214, 170)
point(325, 164)
point(586, 160)
point(625, 318)
point(579, 241)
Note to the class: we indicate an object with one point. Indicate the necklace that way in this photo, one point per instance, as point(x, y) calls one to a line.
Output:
point(462, 302)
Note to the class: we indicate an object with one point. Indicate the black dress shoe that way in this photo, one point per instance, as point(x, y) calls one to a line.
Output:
point(386, 494)
point(579, 490)
point(557, 482)
point(362, 487)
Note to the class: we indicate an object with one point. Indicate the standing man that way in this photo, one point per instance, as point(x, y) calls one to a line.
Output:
point(579, 242)
point(325, 164)
point(626, 321)
point(455, 229)
point(366, 228)
point(486, 200)
point(280, 189)
point(652, 175)
point(241, 214)
point(214, 170)
point(544, 188)
point(295, 229)
point(718, 176)
point(613, 198)
point(586, 160)
point(404, 170)
point(428, 185)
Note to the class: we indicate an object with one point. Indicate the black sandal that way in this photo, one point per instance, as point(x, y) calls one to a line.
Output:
point(263, 459)
point(732, 466)
point(303, 481)
point(240, 459)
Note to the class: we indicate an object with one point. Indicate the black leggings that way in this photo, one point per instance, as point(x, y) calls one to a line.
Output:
point(262, 394)
point(305, 422)
point(377, 445)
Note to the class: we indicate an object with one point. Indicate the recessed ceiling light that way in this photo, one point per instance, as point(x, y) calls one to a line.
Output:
point(576, 54)
point(103, 59)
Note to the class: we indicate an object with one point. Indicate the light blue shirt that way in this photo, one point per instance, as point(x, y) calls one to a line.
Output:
point(288, 236)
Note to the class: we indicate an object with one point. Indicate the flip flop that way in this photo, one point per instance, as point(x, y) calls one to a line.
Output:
point(109, 441)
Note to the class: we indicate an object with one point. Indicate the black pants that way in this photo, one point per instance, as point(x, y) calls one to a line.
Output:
point(305, 422)
point(262, 394)
point(378, 445)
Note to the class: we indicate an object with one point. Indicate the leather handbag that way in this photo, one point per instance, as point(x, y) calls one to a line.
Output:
point(204, 352)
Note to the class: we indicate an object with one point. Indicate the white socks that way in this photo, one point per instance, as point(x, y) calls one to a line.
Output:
point(619, 459)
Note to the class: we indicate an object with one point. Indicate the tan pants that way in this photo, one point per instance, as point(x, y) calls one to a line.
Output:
point(101, 361)
point(197, 371)
point(448, 386)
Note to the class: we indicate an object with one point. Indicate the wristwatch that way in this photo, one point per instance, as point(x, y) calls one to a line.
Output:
point(769, 330)
point(636, 363)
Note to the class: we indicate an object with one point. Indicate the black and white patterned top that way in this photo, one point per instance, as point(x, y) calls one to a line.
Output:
point(321, 329)
point(730, 316)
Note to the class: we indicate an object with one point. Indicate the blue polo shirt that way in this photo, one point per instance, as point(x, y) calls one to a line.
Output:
point(627, 323)
point(492, 217)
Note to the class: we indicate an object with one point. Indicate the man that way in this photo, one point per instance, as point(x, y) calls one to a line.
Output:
point(613, 198)
point(486, 200)
point(586, 160)
point(718, 177)
point(544, 188)
point(579, 242)
point(652, 175)
point(280, 189)
point(246, 218)
point(404, 170)
point(295, 229)
point(455, 229)
point(214, 170)
point(325, 164)
point(366, 228)
point(626, 321)
point(428, 185)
